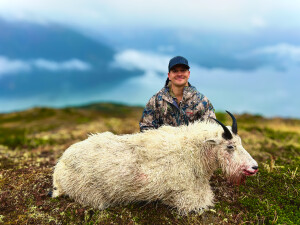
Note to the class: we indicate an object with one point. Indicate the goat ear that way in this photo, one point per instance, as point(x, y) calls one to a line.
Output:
point(210, 141)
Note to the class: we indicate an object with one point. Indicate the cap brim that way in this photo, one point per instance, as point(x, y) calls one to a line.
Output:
point(180, 65)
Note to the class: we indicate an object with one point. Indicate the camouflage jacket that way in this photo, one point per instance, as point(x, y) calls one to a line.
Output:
point(162, 109)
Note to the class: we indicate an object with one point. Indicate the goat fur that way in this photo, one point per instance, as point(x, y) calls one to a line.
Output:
point(170, 164)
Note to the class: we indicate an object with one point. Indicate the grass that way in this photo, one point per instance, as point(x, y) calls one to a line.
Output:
point(31, 142)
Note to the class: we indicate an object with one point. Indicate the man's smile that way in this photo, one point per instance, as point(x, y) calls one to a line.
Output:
point(180, 78)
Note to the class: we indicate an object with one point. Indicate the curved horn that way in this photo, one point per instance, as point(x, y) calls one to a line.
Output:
point(226, 135)
point(234, 124)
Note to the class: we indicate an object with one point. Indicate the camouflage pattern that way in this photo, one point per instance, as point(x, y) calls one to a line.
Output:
point(162, 109)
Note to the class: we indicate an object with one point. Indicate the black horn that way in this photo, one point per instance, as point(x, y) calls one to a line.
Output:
point(234, 124)
point(226, 135)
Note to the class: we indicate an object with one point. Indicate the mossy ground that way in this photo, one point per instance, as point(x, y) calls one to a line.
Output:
point(33, 140)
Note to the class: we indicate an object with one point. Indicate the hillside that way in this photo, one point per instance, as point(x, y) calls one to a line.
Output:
point(31, 141)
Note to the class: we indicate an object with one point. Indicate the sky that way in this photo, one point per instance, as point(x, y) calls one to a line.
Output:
point(244, 54)
point(234, 15)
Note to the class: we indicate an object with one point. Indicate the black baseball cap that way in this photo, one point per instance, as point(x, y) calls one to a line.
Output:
point(178, 60)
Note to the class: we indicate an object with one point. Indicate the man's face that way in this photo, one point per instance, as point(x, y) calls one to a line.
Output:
point(179, 76)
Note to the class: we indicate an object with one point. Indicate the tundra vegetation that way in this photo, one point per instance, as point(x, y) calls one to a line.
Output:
point(31, 142)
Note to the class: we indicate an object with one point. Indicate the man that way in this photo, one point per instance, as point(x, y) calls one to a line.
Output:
point(178, 102)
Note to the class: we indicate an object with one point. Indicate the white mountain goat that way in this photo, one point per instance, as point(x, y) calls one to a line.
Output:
point(171, 164)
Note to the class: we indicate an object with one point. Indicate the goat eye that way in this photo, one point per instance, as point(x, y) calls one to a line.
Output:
point(230, 147)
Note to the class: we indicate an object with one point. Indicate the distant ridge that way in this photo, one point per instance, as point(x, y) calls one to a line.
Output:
point(106, 109)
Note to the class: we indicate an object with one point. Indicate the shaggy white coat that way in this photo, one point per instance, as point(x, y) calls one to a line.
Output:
point(171, 164)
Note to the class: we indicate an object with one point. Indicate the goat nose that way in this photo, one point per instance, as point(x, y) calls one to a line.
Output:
point(255, 167)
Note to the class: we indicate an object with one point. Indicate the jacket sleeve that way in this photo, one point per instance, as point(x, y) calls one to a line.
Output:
point(209, 111)
point(150, 117)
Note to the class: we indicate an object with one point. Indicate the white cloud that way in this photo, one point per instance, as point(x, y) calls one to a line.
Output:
point(135, 91)
point(133, 59)
point(281, 50)
point(72, 64)
point(13, 66)
point(283, 54)
point(195, 14)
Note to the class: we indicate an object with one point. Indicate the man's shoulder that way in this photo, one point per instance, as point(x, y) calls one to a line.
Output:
point(197, 99)
point(158, 97)
point(200, 100)
point(193, 94)
point(160, 94)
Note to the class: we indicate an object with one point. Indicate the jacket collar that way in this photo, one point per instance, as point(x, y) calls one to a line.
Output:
point(188, 92)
